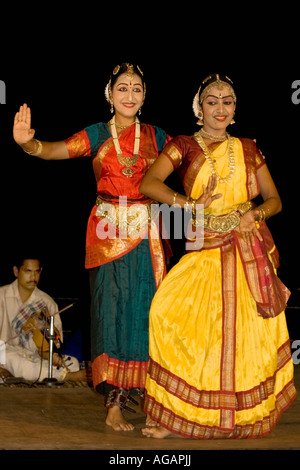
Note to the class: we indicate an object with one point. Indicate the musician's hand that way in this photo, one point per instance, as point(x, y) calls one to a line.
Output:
point(22, 131)
point(57, 360)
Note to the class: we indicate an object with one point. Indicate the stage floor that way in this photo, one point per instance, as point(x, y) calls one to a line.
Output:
point(72, 417)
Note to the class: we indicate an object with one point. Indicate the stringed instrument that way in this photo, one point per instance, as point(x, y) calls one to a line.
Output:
point(38, 324)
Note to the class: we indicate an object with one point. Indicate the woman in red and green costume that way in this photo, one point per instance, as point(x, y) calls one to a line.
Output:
point(126, 265)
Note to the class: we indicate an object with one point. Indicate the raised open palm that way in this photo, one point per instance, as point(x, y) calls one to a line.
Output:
point(22, 131)
point(207, 196)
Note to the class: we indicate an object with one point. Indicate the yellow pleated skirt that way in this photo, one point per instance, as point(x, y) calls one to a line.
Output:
point(209, 376)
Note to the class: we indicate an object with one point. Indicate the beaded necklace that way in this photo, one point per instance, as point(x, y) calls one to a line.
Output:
point(214, 138)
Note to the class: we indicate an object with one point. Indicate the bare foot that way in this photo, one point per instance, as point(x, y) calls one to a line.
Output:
point(150, 422)
point(156, 432)
point(116, 420)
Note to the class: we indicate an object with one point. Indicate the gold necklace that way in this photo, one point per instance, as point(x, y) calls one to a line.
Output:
point(122, 127)
point(214, 138)
point(127, 161)
point(231, 162)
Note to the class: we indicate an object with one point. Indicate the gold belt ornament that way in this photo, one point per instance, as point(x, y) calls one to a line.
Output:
point(123, 217)
point(222, 223)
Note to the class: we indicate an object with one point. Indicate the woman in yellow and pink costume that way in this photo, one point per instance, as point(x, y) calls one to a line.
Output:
point(220, 359)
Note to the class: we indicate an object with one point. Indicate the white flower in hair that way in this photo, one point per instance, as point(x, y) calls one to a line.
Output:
point(106, 93)
point(196, 104)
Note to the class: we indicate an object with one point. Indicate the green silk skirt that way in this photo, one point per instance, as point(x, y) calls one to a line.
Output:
point(122, 292)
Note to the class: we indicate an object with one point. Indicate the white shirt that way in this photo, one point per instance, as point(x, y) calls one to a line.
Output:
point(11, 303)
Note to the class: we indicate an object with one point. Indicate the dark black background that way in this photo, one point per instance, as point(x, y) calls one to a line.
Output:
point(60, 68)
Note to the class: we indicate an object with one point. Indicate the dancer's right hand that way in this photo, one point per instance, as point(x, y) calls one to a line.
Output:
point(207, 196)
point(22, 131)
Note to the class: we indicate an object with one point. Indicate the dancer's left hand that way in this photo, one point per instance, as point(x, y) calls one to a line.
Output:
point(248, 229)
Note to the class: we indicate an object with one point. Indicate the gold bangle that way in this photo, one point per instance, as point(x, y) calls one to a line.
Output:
point(268, 213)
point(260, 214)
point(190, 202)
point(174, 198)
point(187, 204)
point(38, 151)
point(193, 205)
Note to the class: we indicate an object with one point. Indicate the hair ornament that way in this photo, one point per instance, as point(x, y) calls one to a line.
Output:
point(140, 70)
point(116, 69)
point(130, 70)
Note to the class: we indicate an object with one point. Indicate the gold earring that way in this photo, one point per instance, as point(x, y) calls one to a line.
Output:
point(200, 115)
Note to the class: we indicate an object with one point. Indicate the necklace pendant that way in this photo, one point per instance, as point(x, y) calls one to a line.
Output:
point(127, 161)
point(127, 172)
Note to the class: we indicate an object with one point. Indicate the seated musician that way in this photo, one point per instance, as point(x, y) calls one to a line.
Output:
point(23, 310)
